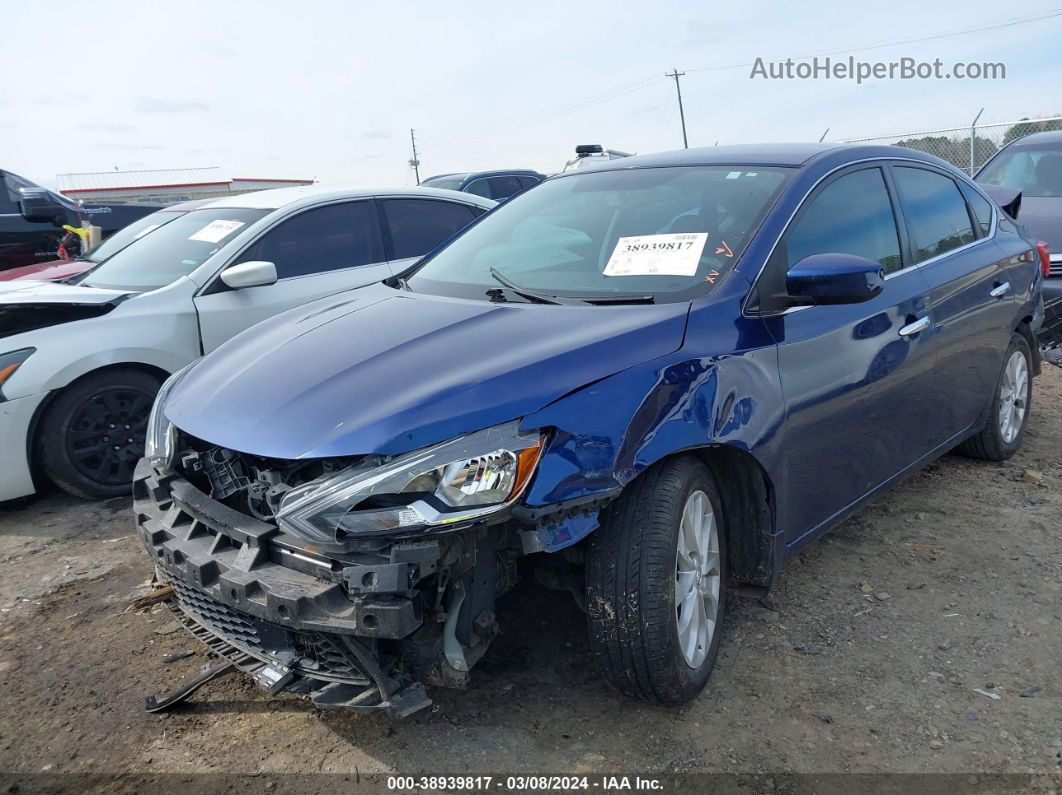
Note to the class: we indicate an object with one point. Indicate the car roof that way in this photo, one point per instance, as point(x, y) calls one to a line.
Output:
point(500, 172)
point(194, 204)
point(778, 154)
point(1046, 137)
point(503, 171)
point(312, 194)
point(461, 174)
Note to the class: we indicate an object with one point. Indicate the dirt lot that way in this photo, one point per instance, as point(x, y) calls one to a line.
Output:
point(922, 635)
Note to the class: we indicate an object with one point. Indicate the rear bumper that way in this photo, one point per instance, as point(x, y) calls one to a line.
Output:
point(16, 417)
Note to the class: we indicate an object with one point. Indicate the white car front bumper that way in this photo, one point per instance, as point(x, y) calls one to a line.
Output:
point(16, 415)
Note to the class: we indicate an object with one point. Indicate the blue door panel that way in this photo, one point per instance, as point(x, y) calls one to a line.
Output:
point(971, 329)
point(856, 408)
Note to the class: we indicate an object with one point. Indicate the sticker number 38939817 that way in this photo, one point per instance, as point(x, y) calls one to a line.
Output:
point(215, 231)
point(657, 255)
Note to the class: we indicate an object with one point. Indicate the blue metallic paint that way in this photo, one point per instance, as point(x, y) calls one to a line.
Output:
point(830, 402)
point(385, 371)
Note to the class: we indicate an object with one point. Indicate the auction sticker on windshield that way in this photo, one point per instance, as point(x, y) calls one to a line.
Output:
point(216, 230)
point(657, 255)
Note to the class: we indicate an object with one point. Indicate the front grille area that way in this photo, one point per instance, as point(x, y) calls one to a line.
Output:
point(235, 627)
point(317, 654)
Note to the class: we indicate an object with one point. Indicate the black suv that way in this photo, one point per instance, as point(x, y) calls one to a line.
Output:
point(32, 218)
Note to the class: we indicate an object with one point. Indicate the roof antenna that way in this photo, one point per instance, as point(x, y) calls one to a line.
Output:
point(823, 136)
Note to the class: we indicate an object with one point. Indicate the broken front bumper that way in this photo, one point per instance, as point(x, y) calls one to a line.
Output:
point(291, 619)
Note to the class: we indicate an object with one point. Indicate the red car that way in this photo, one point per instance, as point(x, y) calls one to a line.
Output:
point(60, 269)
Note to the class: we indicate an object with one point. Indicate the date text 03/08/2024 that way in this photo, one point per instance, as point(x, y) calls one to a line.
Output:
point(528, 783)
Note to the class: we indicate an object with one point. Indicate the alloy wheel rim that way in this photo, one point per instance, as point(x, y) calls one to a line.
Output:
point(697, 579)
point(1013, 396)
point(107, 434)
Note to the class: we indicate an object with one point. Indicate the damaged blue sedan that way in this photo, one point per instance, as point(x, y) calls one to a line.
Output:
point(656, 380)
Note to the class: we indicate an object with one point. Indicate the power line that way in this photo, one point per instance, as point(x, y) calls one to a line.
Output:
point(567, 106)
point(932, 37)
point(574, 107)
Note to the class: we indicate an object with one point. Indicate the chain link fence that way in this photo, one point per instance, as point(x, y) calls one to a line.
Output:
point(966, 147)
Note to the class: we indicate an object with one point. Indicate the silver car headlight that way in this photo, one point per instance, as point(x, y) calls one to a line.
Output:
point(161, 435)
point(462, 479)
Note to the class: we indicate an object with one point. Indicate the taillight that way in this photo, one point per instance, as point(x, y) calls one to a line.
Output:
point(1045, 258)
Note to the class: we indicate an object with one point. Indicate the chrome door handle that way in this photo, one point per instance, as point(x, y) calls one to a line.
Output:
point(918, 326)
point(1001, 290)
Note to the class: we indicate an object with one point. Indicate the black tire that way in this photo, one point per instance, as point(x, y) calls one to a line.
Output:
point(91, 436)
point(989, 443)
point(631, 585)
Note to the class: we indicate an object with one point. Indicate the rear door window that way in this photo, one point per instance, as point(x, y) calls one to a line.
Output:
point(479, 187)
point(322, 239)
point(504, 187)
point(851, 215)
point(416, 226)
point(936, 213)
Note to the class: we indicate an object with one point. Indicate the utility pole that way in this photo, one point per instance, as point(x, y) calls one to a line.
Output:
point(414, 162)
point(677, 74)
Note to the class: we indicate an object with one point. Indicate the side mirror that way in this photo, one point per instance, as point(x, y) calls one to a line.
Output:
point(39, 206)
point(249, 274)
point(834, 279)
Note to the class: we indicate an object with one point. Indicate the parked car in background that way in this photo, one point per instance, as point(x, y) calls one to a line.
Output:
point(80, 362)
point(497, 185)
point(60, 269)
point(1033, 165)
point(32, 217)
point(663, 377)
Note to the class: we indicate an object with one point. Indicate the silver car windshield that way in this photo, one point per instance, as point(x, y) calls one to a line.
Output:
point(171, 251)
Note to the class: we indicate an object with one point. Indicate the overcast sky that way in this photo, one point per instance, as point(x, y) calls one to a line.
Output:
point(330, 89)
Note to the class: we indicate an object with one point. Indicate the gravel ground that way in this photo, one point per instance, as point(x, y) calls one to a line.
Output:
point(920, 636)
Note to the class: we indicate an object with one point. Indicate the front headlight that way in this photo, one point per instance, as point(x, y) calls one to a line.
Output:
point(466, 478)
point(9, 364)
point(160, 442)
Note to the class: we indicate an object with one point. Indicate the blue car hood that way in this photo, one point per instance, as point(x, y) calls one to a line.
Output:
point(382, 371)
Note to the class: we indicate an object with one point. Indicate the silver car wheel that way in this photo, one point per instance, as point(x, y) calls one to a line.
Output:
point(1013, 396)
point(697, 579)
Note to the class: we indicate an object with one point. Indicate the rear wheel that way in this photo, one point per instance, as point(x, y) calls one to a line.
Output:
point(92, 434)
point(1001, 436)
point(656, 584)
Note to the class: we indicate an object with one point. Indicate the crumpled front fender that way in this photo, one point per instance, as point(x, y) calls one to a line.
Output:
point(605, 434)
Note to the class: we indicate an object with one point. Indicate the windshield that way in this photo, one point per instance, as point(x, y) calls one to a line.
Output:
point(1034, 170)
point(127, 234)
point(171, 251)
point(449, 183)
point(670, 233)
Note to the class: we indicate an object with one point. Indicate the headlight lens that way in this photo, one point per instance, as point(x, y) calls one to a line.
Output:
point(161, 435)
point(466, 478)
point(10, 362)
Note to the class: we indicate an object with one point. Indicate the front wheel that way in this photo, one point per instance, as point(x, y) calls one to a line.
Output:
point(656, 583)
point(1001, 436)
point(93, 433)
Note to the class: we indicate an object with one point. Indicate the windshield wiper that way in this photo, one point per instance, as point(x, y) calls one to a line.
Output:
point(532, 294)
